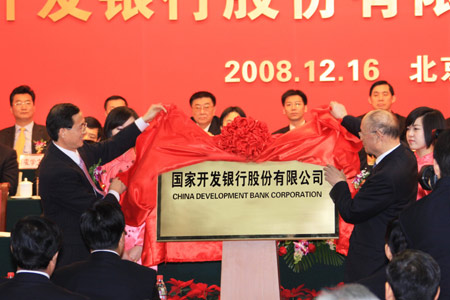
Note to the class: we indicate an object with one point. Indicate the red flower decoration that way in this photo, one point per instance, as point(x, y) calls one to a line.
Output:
point(312, 248)
point(282, 251)
point(178, 285)
point(244, 137)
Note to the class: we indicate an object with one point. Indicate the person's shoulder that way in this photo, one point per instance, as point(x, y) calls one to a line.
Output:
point(6, 134)
point(69, 269)
point(39, 126)
point(65, 294)
point(138, 269)
point(7, 129)
point(281, 130)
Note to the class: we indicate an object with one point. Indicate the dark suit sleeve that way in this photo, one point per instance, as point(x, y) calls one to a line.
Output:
point(352, 124)
point(373, 197)
point(10, 171)
point(110, 148)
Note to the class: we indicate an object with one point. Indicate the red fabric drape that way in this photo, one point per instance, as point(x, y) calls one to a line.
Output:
point(173, 141)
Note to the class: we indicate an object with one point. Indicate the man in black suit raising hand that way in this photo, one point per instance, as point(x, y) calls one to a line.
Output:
point(66, 188)
point(390, 187)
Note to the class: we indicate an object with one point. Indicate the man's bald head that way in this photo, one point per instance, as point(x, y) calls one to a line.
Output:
point(383, 121)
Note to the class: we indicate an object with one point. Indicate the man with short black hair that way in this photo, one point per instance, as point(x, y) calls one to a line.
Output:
point(24, 135)
point(66, 187)
point(426, 223)
point(105, 275)
point(294, 107)
point(113, 102)
point(413, 275)
point(386, 191)
point(203, 106)
point(35, 243)
point(94, 130)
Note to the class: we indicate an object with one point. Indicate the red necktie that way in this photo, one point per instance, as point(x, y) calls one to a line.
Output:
point(88, 176)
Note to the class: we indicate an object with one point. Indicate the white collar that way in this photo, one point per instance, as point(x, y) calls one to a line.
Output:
point(74, 155)
point(34, 272)
point(28, 127)
point(105, 250)
point(380, 158)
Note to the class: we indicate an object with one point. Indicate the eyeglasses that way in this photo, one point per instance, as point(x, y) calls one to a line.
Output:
point(81, 127)
point(20, 103)
point(201, 107)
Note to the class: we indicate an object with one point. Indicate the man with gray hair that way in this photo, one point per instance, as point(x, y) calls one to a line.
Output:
point(353, 291)
point(387, 190)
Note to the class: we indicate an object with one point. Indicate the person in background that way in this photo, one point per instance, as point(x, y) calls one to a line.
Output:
point(419, 126)
point(395, 243)
point(294, 107)
point(426, 223)
point(9, 170)
point(203, 105)
point(413, 275)
point(229, 114)
point(94, 130)
point(105, 275)
point(35, 244)
point(118, 119)
point(25, 136)
point(113, 102)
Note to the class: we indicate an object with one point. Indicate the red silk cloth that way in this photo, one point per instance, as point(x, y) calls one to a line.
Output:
point(173, 141)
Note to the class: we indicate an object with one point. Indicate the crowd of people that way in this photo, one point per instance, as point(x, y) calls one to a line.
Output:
point(398, 247)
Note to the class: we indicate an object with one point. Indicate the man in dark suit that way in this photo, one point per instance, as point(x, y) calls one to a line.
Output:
point(35, 242)
point(22, 102)
point(9, 170)
point(426, 223)
point(390, 187)
point(65, 187)
point(381, 96)
point(203, 106)
point(105, 275)
point(294, 107)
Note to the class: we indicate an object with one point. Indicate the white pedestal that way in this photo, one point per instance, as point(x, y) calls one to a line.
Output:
point(249, 270)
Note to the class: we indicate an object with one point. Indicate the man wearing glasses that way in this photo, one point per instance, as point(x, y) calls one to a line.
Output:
point(25, 134)
point(66, 185)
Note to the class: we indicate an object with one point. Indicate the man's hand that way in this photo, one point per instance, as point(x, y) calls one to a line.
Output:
point(153, 111)
point(337, 110)
point(117, 185)
point(333, 175)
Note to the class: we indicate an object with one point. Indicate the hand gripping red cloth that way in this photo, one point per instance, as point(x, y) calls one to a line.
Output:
point(173, 141)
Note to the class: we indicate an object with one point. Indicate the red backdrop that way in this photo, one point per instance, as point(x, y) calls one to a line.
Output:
point(161, 60)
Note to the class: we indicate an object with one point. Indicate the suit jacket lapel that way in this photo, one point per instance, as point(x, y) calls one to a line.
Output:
point(67, 160)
